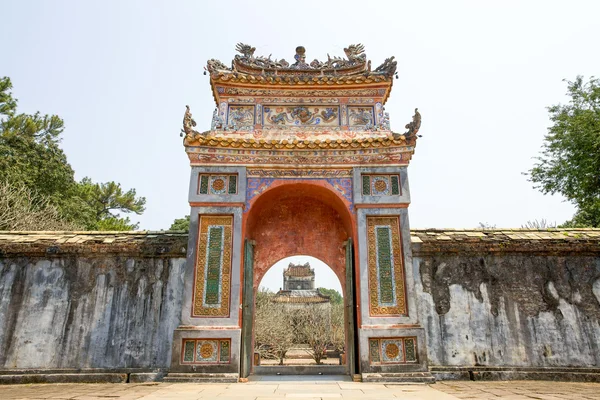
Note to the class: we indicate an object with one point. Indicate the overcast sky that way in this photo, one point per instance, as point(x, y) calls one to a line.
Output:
point(482, 74)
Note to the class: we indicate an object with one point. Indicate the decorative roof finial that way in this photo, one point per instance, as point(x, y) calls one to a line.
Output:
point(300, 57)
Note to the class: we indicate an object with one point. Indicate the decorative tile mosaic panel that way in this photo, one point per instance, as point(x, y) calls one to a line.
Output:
point(380, 185)
point(391, 350)
point(301, 115)
point(387, 296)
point(206, 351)
point(213, 267)
point(373, 351)
point(188, 350)
point(361, 116)
point(217, 184)
point(240, 118)
point(400, 350)
point(225, 351)
point(410, 354)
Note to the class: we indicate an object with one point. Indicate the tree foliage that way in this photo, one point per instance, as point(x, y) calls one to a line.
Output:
point(280, 327)
point(20, 210)
point(569, 162)
point(181, 224)
point(274, 333)
point(34, 166)
point(334, 296)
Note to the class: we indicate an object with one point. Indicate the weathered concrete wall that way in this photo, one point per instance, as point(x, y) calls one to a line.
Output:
point(495, 300)
point(105, 300)
point(109, 301)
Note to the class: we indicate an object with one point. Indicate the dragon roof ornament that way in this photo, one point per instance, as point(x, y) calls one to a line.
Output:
point(355, 63)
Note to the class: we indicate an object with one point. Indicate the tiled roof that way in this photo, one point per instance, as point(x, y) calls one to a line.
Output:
point(429, 235)
point(55, 243)
point(300, 296)
point(298, 270)
point(507, 240)
point(175, 243)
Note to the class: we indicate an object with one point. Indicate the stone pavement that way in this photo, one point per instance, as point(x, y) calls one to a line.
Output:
point(305, 389)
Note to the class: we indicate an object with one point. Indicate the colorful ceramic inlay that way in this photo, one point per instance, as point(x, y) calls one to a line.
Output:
point(380, 185)
point(386, 273)
point(217, 184)
point(206, 351)
point(398, 350)
point(213, 267)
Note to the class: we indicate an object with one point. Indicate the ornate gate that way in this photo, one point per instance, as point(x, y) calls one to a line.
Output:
point(299, 159)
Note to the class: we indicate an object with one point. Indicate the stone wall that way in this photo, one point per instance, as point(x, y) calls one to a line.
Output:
point(89, 300)
point(509, 298)
point(485, 298)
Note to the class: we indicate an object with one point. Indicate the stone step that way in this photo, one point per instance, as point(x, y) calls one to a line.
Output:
point(200, 378)
point(6, 379)
point(400, 377)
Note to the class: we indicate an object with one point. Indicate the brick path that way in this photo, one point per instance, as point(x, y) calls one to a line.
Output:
point(289, 388)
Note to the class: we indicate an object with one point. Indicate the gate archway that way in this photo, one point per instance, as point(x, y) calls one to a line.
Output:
point(291, 218)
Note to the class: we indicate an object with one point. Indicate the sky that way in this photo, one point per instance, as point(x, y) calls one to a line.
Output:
point(481, 73)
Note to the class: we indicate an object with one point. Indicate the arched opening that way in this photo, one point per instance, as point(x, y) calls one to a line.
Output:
point(299, 317)
point(298, 218)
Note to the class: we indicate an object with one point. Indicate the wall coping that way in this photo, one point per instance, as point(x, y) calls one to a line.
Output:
point(174, 243)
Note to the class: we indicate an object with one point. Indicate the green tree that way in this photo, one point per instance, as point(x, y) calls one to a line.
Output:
point(334, 295)
point(181, 224)
point(107, 198)
point(569, 162)
point(32, 161)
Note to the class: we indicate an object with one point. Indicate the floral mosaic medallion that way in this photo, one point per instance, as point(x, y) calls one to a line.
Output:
point(387, 295)
point(213, 266)
point(400, 350)
point(206, 351)
point(392, 350)
point(217, 184)
point(380, 186)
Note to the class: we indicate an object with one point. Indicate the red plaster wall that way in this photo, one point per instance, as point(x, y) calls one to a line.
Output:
point(297, 222)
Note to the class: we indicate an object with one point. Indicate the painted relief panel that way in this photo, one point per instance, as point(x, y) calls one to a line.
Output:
point(212, 280)
point(286, 116)
point(387, 295)
point(400, 350)
point(381, 185)
point(241, 117)
point(361, 117)
point(206, 351)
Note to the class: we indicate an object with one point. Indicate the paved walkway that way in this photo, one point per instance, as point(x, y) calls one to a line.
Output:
point(306, 389)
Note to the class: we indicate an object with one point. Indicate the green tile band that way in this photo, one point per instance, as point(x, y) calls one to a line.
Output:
point(395, 185)
point(203, 184)
point(188, 352)
point(366, 185)
point(384, 265)
point(213, 265)
point(232, 186)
